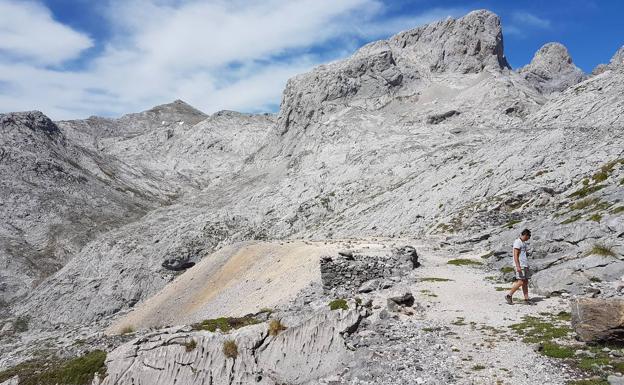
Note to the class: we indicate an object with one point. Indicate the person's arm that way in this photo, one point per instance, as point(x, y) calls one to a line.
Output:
point(516, 257)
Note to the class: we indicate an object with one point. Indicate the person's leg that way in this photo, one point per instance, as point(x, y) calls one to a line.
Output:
point(516, 285)
point(525, 289)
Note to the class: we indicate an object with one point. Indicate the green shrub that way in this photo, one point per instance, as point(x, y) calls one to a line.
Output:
point(478, 367)
point(339, 303)
point(435, 279)
point(230, 349)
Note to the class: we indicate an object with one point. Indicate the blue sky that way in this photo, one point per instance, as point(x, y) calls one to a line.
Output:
point(76, 58)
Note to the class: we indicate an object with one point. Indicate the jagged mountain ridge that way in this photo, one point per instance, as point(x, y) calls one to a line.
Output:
point(399, 139)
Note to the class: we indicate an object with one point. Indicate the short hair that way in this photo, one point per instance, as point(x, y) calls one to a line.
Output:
point(526, 232)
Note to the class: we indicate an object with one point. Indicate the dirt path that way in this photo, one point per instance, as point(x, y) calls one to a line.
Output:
point(476, 320)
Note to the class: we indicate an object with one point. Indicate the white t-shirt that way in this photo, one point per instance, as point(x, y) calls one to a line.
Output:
point(524, 260)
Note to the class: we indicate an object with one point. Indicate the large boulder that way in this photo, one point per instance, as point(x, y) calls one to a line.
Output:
point(596, 319)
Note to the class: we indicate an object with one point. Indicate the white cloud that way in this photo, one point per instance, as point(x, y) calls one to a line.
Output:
point(213, 54)
point(523, 23)
point(28, 32)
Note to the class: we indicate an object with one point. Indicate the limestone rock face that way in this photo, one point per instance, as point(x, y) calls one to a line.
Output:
point(298, 355)
point(598, 320)
point(617, 61)
point(552, 70)
point(399, 66)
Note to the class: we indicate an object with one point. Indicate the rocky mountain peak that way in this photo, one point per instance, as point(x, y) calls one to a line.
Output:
point(34, 120)
point(552, 69)
point(617, 61)
point(465, 45)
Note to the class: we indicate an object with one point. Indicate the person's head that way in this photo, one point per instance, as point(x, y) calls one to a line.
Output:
point(525, 235)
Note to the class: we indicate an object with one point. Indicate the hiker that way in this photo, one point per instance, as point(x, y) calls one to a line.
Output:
point(521, 267)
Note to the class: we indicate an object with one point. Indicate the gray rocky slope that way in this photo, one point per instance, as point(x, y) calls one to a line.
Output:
point(428, 132)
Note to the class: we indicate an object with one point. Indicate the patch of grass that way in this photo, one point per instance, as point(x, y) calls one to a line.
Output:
point(606, 170)
point(127, 330)
point(507, 269)
point(584, 203)
point(541, 329)
point(190, 345)
point(266, 310)
point(464, 262)
point(587, 363)
point(511, 223)
point(429, 330)
point(230, 349)
point(572, 219)
point(76, 371)
point(225, 324)
point(498, 288)
point(488, 255)
point(600, 249)
point(595, 279)
point(478, 367)
point(435, 279)
point(428, 293)
point(339, 303)
point(586, 190)
point(276, 327)
point(553, 350)
point(460, 321)
point(595, 218)
point(618, 210)
point(589, 381)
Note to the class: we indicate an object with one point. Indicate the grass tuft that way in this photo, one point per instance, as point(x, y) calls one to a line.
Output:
point(127, 330)
point(276, 327)
point(230, 349)
point(339, 303)
point(435, 279)
point(464, 262)
point(600, 249)
point(586, 190)
point(190, 345)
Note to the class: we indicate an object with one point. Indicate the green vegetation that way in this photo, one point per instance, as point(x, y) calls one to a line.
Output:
point(266, 310)
point(617, 210)
point(584, 203)
point(507, 269)
point(230, 349)
point(606, 170)
point(488, 255)
point(604, 250)
point(76, 371)
point(190, 345)
point(478, 367)
point(595, 218)
point(435, 279)
point(429, 330)
point(595, 279)
point(591, 381)
point(511, 223)
point(464, 262)
point(276, 327)
point(498, 288)
point(586, 190)
point(542, 329)
point(428, 293)
point(554, 350)
point(225, 324)
point(460, 321)
point(339, 303)
point(572, 219)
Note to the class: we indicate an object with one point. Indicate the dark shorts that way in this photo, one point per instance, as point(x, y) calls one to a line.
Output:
point(524, 274)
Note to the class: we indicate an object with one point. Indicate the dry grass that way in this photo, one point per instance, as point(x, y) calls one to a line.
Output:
point(230, 349)
point(276, 326)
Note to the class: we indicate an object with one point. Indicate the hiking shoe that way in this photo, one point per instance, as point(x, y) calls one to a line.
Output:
point(508, 299)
